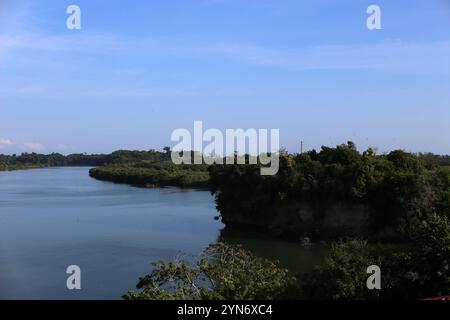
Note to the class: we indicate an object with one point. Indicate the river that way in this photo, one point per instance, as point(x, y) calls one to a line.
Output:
point(56, 217)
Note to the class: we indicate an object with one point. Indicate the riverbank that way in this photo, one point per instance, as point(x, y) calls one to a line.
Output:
point(153, 177)
point(20, 167)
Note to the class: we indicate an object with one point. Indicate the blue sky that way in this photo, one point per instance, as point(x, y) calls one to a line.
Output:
point(137, 70)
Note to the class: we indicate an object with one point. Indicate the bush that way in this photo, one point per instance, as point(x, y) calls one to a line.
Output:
point(419, 270)
point(224, 272)
point(424, 270)
point(343, 274)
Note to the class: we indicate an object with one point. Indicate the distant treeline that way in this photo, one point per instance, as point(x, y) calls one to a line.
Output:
point(35, 160)
point(134, 158)
point(436, 159)
point(138, 168)
point(148, 174)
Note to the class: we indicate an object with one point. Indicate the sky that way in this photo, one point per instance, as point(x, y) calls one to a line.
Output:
point(138, 70)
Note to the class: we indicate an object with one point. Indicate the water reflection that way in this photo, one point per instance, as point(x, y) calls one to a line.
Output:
point(291, 255)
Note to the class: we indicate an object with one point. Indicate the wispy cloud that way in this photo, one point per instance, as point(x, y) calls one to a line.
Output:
point(33, 146)
point(386, 56)
point(56, 57)
point(68, 42)
point(58, 90)
point(5, 142)
point(391, 56)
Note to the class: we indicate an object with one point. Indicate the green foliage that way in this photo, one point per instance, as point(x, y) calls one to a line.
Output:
point(11, 167)
point(224, 272)
point(35, 160)
point(393, 187)
point(423, 270)
point(343, 275)
point(153, 174)
point(418, 270)
point(434, 159)
point(26, 160)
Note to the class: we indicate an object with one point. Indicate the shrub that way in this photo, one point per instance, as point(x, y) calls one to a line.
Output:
point(224, 272)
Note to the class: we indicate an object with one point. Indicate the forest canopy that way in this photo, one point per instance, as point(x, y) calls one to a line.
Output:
point(334, 192)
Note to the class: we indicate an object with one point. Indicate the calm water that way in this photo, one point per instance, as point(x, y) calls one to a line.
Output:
point(53, 218)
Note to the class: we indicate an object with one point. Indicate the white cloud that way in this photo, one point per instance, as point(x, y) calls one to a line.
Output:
point(23, 52)
point(45, 42)
point(33, 146)
point(5, 142)
point(388, 56)
point(81, 90)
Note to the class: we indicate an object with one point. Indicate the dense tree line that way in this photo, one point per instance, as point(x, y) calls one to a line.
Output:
point(394, 190)
point(32, 160)
point(153, 175)
point(153, 169)
point(430, 158)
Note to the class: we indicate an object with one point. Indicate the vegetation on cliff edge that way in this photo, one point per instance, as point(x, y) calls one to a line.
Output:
point(394, 189)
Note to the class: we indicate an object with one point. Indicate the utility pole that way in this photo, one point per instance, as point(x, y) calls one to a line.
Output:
point(301, 147)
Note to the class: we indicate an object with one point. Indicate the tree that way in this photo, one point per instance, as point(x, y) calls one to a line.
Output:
point(343, 275)
point(391, 188)
point(224, 272)
point(418, 270)
point(424, 270)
